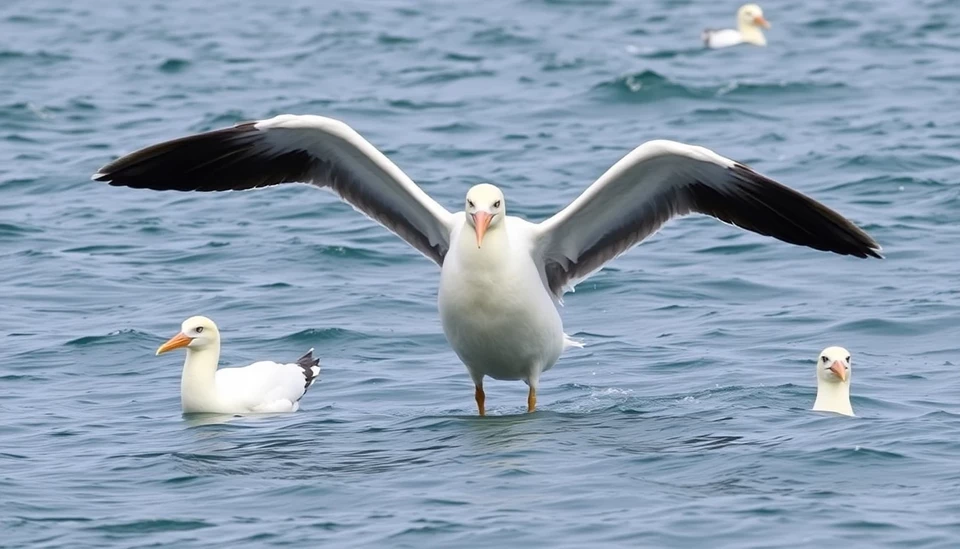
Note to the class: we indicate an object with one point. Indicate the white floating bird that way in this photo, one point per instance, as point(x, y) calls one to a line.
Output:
point(833, 381)
point(749, 21)
point(262, 387)
point(501, 276)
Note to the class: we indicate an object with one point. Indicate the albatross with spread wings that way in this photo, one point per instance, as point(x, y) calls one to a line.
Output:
point(501, 277)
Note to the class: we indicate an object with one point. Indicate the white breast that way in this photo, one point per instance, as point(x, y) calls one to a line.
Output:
point(495, 310)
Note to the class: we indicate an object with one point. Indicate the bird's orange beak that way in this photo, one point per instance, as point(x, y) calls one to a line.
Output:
point(175, 342)
point(481, 220)
point(761, 22)
point(838, 368)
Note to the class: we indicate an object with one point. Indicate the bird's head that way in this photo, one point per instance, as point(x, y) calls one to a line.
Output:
point(750, 15)
point(485, 208)
point(196, 333)
point(833, 366)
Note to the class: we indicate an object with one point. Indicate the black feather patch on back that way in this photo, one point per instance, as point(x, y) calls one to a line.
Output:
point(311, 369)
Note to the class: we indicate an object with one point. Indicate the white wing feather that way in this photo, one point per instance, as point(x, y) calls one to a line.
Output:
point(263, 386)
point(285, 149)
point(663, 179)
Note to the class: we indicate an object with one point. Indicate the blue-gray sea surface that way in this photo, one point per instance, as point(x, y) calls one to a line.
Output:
point(684, 422)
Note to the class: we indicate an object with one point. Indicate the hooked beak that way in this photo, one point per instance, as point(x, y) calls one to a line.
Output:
point(839, 370)
point(481, 220)
point(175, 342)
point(761, 22)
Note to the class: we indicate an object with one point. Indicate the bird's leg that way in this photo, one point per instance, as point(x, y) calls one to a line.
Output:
point(532, 399)
point(480, 400)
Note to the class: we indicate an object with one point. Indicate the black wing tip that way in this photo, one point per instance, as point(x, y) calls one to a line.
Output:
point(874, 252)
point(169, 165)
point(855, 241)
point(307, 361)
point(864, 253)
point(311, 369)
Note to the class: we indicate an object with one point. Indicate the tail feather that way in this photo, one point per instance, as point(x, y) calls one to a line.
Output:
point(311, 369)
point(705, 36)
point(569, 342)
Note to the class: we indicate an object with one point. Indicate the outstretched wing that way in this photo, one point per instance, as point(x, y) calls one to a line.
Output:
point(663, 179)
point(286, 149)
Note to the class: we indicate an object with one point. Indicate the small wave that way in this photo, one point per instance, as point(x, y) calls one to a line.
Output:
point(174, 65)
point(395, 40)
point(20, 138)
point(318, 335)
point(860, 454)
point(346, 252)
point(832, 23)
point(647, 86)
point(9, 230)
point(500, 37)
point(733, 249)
point(102, 249)
point(409, 105)
point(900, 163)
point(554, 64)
point(463, 57)
point(664, 53)
point(886, 184)
point(455, 127)
point(112, 337)
point(452, 76)
point(779, 89)
point(40, 58)
point(729, 114)
point(945, 78)
point(26, 112)
point(897, 328)
point(152, 526)
point(650, 85)
point(274, 286)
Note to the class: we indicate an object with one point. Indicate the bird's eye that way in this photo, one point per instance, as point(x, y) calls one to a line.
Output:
point(199, 329)
point(848, 360)
point(470, 203)
point(824, 359)
point(496, 204)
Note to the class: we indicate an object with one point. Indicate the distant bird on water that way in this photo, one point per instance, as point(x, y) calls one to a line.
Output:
point(262, 387)
point(749, 22)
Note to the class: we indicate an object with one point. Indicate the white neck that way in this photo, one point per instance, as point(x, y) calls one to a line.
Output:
point(833, 397)
point(495, 244)
point(198, 381)
point(752, 34)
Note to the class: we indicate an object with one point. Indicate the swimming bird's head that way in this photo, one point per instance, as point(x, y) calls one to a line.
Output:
point(751, 16)
point(485, 208)
point(833, 366)
point(196, 332)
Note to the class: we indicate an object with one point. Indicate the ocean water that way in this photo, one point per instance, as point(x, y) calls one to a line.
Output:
point(685, 420)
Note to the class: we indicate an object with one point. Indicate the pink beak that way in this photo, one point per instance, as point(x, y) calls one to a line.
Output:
point(760, 21)
point(481, 220)
point(839, 369)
